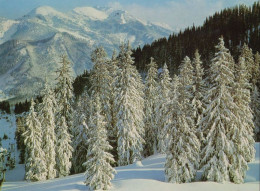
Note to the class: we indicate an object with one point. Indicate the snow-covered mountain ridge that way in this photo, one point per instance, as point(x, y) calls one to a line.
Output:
point(31, 46)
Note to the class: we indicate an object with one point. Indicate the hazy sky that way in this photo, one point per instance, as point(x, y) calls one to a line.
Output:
point(177, 14)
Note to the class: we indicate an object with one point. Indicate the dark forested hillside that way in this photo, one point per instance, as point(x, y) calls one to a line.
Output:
point(80, 83)
point(238, 25)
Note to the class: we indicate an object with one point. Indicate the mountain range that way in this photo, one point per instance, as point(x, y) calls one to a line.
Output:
point(31, 46)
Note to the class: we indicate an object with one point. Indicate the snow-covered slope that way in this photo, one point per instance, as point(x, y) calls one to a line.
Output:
point(23, 73)
point(91, 13)
point(145, 175)
point(30, 46)
point(46, 11)
point(7, 127)
point(7, 28)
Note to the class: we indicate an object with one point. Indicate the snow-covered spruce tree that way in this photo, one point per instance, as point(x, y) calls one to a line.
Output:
point(252, 67)
point(150, 103)
point(64, 94)
point(83, 107)
point(181, 161)
point(183, 151)
point(80, 136)
point(102, 77)
point(241, 133)
point(255, 99)
point(35, 164)
point(99, 172)
point(113, 64)
point(199, 92)
point(63, 149)
point(129, 105)
point(101, 81)
point(255, 106)
point(112, 136)
point(47, 120)
point(175, 95)
point(186, 89)
point(64, 121)
point(81, 146)
point(256, 69)
point(247, 54)
point(218, 118)
point(163, 119)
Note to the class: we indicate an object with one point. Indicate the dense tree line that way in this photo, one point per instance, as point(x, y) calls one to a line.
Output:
point(5, 106)
point(238, 25)
point(22, 107)
point(20, 129)
point(46, 131)
point(80, 83)
point(198, 122)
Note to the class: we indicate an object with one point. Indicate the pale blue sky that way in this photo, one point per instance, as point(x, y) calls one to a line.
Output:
point(177, 14)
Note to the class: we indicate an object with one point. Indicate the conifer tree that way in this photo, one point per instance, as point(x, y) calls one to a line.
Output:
point(218, 118)
point(81, 131)
point(64, 94)
point(64, 122)
point(113, 71)
point(99, 172)
point(183, 151)
point(256, 69)
point(47, 119)
point(151, 100)
point(241, 133)
point(255, 99)
point(255, 106)
point(247, 54)
point(63, 149)
point(186, 89)
point(102, 78)
point(101, 82)
point(129, 105)
point(163, 119)
point(187, 75)
point(80, 150)
point(35, 165)
point(199, 92)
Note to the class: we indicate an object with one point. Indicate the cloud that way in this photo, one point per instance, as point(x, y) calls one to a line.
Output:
point(178, 14)
point(115, 5)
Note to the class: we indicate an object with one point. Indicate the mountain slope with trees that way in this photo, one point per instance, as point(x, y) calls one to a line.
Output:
point(238, 25)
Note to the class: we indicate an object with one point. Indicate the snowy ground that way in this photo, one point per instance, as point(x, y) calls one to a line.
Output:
point(7, 126)
point(145, 175)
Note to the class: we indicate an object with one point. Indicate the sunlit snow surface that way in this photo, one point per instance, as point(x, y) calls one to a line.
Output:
point(147, 174)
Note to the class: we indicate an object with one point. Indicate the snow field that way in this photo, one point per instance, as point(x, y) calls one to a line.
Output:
point(147, 174)
point(7, 126)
